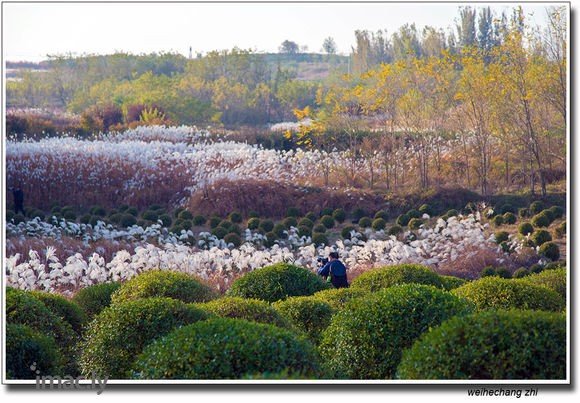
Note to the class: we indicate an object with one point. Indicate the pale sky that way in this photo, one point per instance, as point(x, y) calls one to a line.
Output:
point(31, 31)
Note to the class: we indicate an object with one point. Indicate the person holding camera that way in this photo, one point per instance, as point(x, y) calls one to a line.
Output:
point(335, 269)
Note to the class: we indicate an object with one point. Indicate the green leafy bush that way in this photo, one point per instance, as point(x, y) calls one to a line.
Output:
point(503, 272)
point(525, 228)
point(345, 233)
point(491, 345)
point(185, 215)
point(127, 220)
point(293, 212)
point(29, 353)
point(319, 228)
point(275, 282)
point(94, 298)
point(199, 220)
point(246, 308)
point(149, 215)
point(560, 230)
point(452, 282)
point(487, 271)
point(403, 220)
point(541, 220)
point(541, 236)
point(163, 283)
point(554, 280)
point(358, 213)
point(279, 230)
point(497, 220)
point(214, 222)
point(365, 222)
point(236, 217)
point(384, 277)
point(120, 332)
point(500, 293)
point(381, 214)
point(233, 239)
point(395, 230)
point(225, 348)
point(303, 230)
point(311, 216)
point(501, 236)
point(305, 222)
point(266, 225)
point(536, 207)
point(557, 212)
point(319, 239)
point(550, 250)
point(425, 209)
point(339, 297)
point(327, 221)
point(63, 308)
point(521, 273)
point(290, 222)
point(339, 215)
point(253, 223)
point(379, 224)
point(524, 212)
point(413, 213)
point(509, 218)
point(415, 223)
point(367, 338)
point(308, 314)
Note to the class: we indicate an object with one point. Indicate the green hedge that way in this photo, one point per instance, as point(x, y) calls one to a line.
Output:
point(121, 331)
point(94, 298)
point(245, 308)
point(275, 282)
point(225, 348)
point(367, 338)
point(62, 307)
point(498, 345)
point(384, 277)
point(310, 315)
point(29, 353)
point(163, 283)
point(554, 280)
point(339, 297)
point(500, 293)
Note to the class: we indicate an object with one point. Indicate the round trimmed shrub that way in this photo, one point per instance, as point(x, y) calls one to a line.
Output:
point(358, 213)
point(253, 223)
point(326, 211)
point(425, 209)
point(327, 221)
point(214, 222)
point(524, 212)
point(525, 228)
point(381, 214)
point(339, 215)
point(304, 231)
point(276, 282)
point(541, 236)
point(290, 222)
point(451, 213)
point(199, 220)
point(94, 298)
point(29, 353)
point(379, 224)
point(384, 277)
point(267, 225)
point(365, 222)
point(345, 233)
point(491, 345)
point(279, 230)
point(120, 332)
point(536, 207)
point(556, 211)
point(497, 220)
point(185, 215)
point(339, 297)
point(395, 230)
point(63, 308)
point(554, 280)
point(367, 338)
point(319, 239)
point(487, 271)
point(415, 223)
point(246, 308)
point(163, 283)
point(536, 268)
point(225, 348)
point(503, 272)
point(305, 222)
point(413, 213)
point(165, 219)
point(500, 293)
point(319, 228)
point(521, 273)
point(509, 218)
point(311, 216)
point(403, 220)
point(550, 250)
point(308, 314)
point(560, 230)
point(233, 239)
point(501, 236)
point(452, 282)
point(149, 215)
point(541, 220)
point(127, 220)
point(236, 217)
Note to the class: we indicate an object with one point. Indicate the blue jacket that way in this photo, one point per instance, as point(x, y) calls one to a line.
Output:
point(336, 267)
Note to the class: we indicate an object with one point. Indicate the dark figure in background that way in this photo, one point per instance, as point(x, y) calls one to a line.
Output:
point(336, 270)
point(18, 200)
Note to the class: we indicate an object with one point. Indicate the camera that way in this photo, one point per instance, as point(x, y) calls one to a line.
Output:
point(322, 260)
